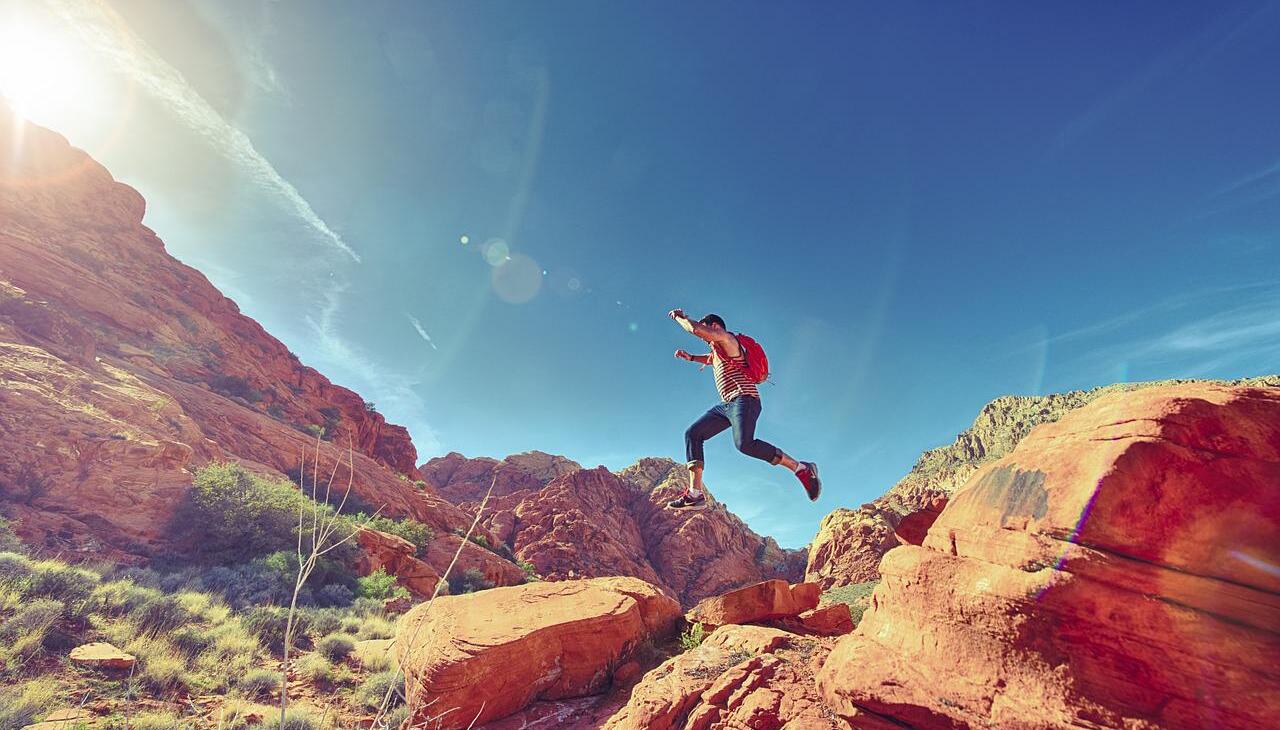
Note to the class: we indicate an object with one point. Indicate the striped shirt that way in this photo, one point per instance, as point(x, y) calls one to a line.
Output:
point(731, 376)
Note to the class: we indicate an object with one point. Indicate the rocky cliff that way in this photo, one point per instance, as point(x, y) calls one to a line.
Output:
point(571, 522)
point(1116, 569)
point(122, 370)
point(851, 542)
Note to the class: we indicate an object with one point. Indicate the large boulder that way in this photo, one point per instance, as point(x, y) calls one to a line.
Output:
point(1116, 569)
point(481, 656)
point(739, 677)
point(850, 542)
point(771, 599)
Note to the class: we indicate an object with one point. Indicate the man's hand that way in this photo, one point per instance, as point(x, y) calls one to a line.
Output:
point(683, 355)
point(676, 314)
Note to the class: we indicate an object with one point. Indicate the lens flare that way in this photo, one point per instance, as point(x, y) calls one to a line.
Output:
point(517, 280)
point(496, 252)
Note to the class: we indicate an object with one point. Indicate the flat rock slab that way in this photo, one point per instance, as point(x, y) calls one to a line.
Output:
point(765, 601)
point(482, 656)
point(101, 655)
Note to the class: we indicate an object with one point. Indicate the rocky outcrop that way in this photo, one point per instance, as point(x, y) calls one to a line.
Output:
point(482, 656)
point(1116, 569)
point(739, 677)
point(546, 510)
point(396, 556)
point(122, 370)
point(850, 542)
point(772, 599)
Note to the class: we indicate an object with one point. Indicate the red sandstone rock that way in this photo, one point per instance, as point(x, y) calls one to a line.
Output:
point(1114, 569)
point(850, 543)
point(101, 655)
point(740, 677)
point(830, 620)
point(482, 656)
point(622, 517)
point(124, 370)
point(772, 599)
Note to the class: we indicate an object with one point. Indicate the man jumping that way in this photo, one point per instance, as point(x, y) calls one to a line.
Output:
point(739, 408)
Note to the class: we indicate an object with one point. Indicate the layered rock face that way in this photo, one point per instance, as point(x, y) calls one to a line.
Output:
point(850, 542)
point(478, 657)
point(581, 523)
point(1118, 568)
point(122, 370)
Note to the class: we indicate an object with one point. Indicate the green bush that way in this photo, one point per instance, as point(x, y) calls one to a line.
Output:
point(51, 579)
point(380, 586)
point(14, 567)
point(530, 572)
point(335, 647)
point(315, 668)
point(235, 386)
point(232, 516)
point(692, 638)
point(160, 615)
point(412, 530)
point(192, 640)
point(371, 694)
point(470, 581)
point(9, 542)
point(268, 624)
point(293, 720)
point(119, 597)
point(21, 705)
point(23, 634)
point(260, 683)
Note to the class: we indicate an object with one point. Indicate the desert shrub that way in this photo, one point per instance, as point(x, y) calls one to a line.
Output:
point(14, 567)
point(9, 541)
point(235, 713)
point(260, 683)
point(119, 597)
point(23, 634)
point(324, 621)
point(51, 579)
point(191, 640)
point(379, 585)
point(334, 595)
point(296, 719)
point(351, 625)
point(374, 658)
point(231, 516)
point(160, 615)
point(235, 386)
point(315, 668)
point(530, 572)
point(268, 624)
point(470, 581)
point(856, 596)
point(335, 647)
point(412, 530)
point(395, 717)
point(155, 720)
point(161, 667)
point(20, 705)
point(692, 637)
point(371, 694)
point(376, 627)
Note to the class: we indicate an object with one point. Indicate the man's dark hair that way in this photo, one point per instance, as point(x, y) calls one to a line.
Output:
point(712, 319)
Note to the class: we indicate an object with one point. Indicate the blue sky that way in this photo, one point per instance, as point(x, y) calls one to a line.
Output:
point(915, 207)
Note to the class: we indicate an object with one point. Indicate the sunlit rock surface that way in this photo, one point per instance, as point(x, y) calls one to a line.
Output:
point(1119, 567)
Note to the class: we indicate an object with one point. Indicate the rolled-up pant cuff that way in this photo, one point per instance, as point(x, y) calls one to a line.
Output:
point(694, 464)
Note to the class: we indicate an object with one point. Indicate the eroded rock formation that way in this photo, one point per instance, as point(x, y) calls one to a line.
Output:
point(850, 542)
point(570, 522)
point(1116, 569)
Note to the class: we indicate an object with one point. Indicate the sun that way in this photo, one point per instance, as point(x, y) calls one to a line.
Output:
point(42, 72)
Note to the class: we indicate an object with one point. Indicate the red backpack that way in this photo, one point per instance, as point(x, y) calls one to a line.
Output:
point(757, 365)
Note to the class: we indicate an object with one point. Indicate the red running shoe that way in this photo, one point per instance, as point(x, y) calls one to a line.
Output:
point(685, 501)
point(808, 476)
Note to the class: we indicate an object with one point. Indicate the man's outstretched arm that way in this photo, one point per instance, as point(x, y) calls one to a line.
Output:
point(697, 329)
point(704, 359)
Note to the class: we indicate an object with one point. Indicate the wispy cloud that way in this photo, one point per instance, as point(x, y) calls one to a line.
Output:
point(105, 33)
point(352, 366)
point(421, 332)
point(1244, 335)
